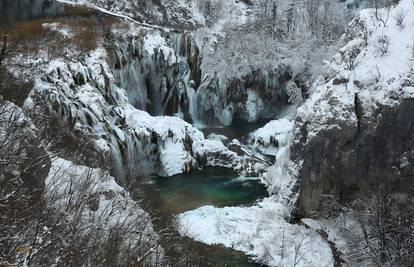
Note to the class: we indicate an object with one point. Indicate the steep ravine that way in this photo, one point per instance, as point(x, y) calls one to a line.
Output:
point(100, 100)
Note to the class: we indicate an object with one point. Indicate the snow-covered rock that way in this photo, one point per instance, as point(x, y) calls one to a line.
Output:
point(355, 129)
point(271, 137)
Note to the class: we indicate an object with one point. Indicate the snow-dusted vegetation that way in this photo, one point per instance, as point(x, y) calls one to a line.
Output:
point(306, 106)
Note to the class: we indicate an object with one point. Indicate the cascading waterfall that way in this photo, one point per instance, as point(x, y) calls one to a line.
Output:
point(158, 75)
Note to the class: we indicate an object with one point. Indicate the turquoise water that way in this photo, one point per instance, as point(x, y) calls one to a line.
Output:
point(212, 186)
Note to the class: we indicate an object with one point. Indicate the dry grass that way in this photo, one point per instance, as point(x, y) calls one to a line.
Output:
point(88, 31)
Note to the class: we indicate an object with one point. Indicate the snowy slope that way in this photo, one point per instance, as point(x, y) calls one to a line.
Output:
point(112, 208)
point(260, 231)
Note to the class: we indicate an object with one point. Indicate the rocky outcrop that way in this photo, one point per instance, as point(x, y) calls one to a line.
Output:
point(355, 132)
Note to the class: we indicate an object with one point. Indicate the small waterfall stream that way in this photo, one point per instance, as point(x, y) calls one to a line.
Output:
point(193, 106)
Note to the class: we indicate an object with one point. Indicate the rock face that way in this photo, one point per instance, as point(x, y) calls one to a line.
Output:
point(355, 132)
point(257, 95)
point(169, 74)
point(349, 161)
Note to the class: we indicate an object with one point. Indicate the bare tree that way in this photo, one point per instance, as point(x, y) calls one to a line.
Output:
point(384, 236)
point(300, 251)
point(8, 46)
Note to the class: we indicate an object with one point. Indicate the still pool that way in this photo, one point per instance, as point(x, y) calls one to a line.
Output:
point(212, 186)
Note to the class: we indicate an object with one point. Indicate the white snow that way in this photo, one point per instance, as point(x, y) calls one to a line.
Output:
point(153, 41)
point(271, 137)
point(260, 231)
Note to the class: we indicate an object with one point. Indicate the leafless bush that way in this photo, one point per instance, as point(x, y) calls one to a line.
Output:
point(300, 251)
point(10, 88)
point(8, 45)
point(383, 43)
point(22, 166)
point(350, 58)
point(376, 74)
point(380, 231)
point(118, 234)
point(71, 233)
point(399, 17)
point(381, 11)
